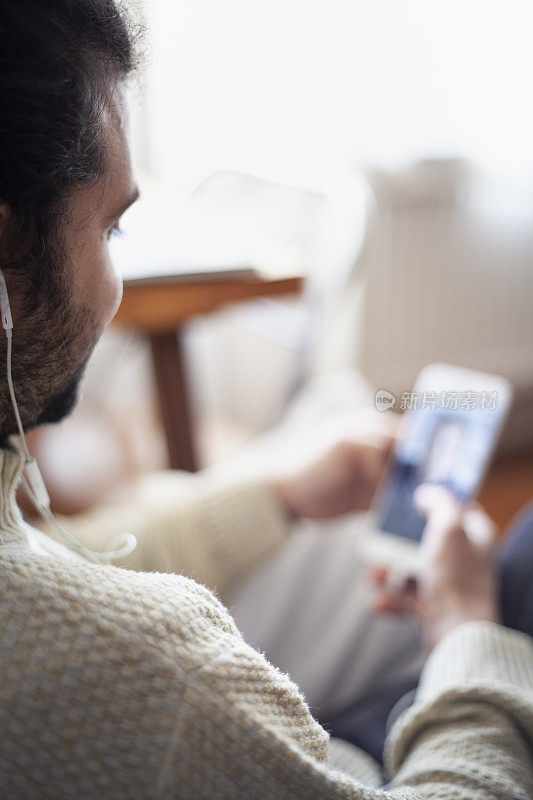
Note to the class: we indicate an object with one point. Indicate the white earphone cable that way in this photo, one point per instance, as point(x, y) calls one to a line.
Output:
point(9, 334)
point(128, 539)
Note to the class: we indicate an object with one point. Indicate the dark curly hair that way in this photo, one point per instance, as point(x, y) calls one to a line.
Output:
point(59, 59)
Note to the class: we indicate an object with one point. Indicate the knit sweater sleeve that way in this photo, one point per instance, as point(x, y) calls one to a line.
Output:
point(211, 526)
point(468, 737)
point(470, 732)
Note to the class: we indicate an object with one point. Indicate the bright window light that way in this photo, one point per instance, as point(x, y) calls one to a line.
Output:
point(287, 89)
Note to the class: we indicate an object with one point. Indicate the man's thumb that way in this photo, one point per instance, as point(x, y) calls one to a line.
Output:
point(439, 505)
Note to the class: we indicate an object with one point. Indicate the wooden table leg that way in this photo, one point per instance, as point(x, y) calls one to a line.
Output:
point(171, 381)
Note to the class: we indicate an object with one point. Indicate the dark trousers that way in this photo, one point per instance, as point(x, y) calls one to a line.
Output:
point(365, 722)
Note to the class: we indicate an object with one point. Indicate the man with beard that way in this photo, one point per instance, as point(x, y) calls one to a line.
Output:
point(135, 683)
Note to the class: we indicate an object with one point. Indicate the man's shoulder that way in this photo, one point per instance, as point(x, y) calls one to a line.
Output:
point(95, 663)
point(88, 603)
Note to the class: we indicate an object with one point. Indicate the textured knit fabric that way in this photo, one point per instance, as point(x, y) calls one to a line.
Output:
point(129, 684)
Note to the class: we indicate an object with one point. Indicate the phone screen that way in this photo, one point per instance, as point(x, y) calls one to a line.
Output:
point(445, 446)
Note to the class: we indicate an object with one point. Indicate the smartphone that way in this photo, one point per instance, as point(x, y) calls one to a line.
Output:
point(452, 422)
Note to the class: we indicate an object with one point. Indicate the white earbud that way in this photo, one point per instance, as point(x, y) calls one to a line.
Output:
point(7, 319)
point(33, 480)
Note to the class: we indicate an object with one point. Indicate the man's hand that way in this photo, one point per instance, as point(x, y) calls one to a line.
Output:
point(341, 472)
point(456, 580)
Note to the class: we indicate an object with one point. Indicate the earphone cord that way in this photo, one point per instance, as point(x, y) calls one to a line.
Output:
point(129, 541)
point(27, 453)
point(129, 545)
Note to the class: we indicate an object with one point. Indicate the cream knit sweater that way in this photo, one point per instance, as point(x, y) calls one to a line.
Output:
point(137, 685)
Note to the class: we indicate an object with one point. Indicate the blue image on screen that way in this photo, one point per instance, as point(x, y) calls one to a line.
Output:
point(448, 447)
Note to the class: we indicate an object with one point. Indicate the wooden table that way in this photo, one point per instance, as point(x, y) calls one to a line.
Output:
point(160, 307)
